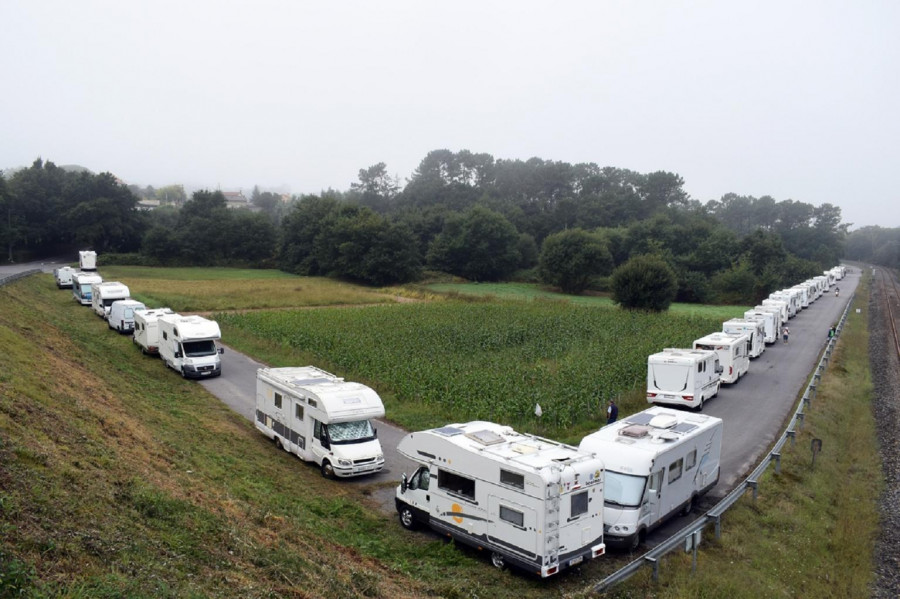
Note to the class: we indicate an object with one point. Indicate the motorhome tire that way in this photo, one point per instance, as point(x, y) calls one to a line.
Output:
point(327, 469)
point(700, 407)
point(277, 442)
point(635, 541)
point(689, 506)
point(407, 518)
point(498, 560)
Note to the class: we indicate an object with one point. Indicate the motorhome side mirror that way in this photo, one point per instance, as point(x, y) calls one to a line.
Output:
point(178, 354)
point(375, 432)
point(720, 369)
point(221, 350)
point(404, 483)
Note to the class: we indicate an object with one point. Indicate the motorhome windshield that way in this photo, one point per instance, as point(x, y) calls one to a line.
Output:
point(357, 431)
point(86, 289)
point(623, 490)
point(107, 302)
point(197, 349)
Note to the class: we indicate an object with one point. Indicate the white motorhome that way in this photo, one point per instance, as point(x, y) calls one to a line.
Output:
point(146, 329)
point(754, 329)
point(733, 350)
point(63, 276)
point(795, 296)
point(821, 283)
point(187, 344)
point(805, 296)
point(793, 306)
point(658, 462)
point(320, 418)
point(839, 272)
point(780, 305)
point(104, 293)
point(532, 503)
point(121, 315)
point(829, 276)
point(683, 377)
point(814, 289)
point(87, 260)
point(770, 320)
point(81, 286)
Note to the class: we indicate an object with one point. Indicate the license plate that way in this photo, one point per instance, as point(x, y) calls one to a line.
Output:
point(576, 561)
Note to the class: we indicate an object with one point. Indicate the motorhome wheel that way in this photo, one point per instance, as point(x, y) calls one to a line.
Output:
point(688, 507)
point(407, 518)
point(634, 541)
point(277, 442)
point(498, 560)
point(327, 469)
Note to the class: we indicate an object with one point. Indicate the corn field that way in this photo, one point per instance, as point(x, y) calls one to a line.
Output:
point(485, 361)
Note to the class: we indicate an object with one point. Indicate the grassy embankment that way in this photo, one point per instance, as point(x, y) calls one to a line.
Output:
point(811, 531)
point(120, 479)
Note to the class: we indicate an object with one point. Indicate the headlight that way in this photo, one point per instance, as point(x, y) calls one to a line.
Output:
point(379, 458)
point(343, 462)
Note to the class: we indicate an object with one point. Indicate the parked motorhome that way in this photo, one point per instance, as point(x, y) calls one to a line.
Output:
point(87, 260)
point(63, 276)
point(805, 295)
point(754, 329)
point(320, 418)
point(781, 305)
point(532, 503)
point(829, 276)
point(104, 293)
point(683, 377)
point(814, 288)
point(795, 296)
point(187, 344)
point(822, 283)
point(146, 329)
point(793, 306)
point(733, 350)
point(658, 462)
point(770, 320)
point(81, 286)
point(121, 315)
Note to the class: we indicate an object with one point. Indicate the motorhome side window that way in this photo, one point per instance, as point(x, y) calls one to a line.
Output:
point(456, 484)
point(165, 334)
point(691, 460)
point(579, 504)
point(675, 470)
point(278, 400)
point(514, 517)
point(318, 429)
point(298, 411)
point(513, 479)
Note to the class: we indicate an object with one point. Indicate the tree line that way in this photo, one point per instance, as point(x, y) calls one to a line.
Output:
point(566, 225)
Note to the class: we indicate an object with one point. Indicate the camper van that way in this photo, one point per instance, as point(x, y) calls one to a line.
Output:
point(104, 293)
point(121, 315)
point(793, 306)
point(733, 350)
point(658, 462)
point(770, 321)
point(780, 305)
point(146, 329)
point(63, 276)
point(187, 344)
point(320, 418)
point(87, 260)
point(532, 503)
point(754, 329)
point(805, 296)
point(683, 377)
point(81, 286)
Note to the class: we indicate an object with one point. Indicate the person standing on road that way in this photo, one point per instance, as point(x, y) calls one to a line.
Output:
point(831, 332)
point(784, 333)
point(612, 412)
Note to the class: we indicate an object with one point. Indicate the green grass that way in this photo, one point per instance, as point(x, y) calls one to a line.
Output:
point(532, 292)
point(811, 531)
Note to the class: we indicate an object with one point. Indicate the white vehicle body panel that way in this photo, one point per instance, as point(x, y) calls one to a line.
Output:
point(103, 295)
point(770, 320)
point(146, 329)
point(535, 503)
point(121, 314)
point(187, 345)
point(82, 283)
point(63, 276)
point(87, 260)
point(321, 418)
point(781, 305)
point(754, 329)
point(658, 462)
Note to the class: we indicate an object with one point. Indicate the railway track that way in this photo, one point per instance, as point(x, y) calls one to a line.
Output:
point(891, 301)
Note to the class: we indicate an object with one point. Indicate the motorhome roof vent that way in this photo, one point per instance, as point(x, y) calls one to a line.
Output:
point(302, 382)
point(635, 431)
point(485, 437)
point(667, 436)
point(664, 421)
point(524, 449)
point(449, 431)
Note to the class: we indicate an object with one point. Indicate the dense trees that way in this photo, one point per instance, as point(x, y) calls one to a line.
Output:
point(876, 245)
point(570, 258)
point(645, 282)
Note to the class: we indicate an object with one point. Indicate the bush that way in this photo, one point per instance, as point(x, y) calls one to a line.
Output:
point(644, 283)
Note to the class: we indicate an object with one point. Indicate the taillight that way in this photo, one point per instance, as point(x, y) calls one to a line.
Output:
point(688, 397)
point(651, 395)
point(731, 370)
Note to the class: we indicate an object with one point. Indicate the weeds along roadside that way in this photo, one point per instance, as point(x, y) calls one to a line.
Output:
point(113, 484)
point(811, 531)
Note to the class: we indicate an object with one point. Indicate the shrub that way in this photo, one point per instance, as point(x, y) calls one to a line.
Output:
point(644, 283)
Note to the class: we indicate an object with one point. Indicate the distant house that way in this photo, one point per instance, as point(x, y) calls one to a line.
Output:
point(147, 204)
point(236, 199)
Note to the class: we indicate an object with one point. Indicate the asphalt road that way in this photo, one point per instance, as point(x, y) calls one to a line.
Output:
point(754, 409)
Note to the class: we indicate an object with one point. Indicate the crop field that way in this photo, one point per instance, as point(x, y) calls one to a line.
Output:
point(530, 291)
point(205, 289)
point(454, 361)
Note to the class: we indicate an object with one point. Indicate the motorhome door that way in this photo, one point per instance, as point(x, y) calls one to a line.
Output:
point(653, 500)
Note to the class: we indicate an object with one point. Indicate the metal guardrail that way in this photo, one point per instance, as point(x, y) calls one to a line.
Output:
point(689, 537)
point(18, 275)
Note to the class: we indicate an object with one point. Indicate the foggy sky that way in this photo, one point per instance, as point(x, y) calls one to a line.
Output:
point(797, 100)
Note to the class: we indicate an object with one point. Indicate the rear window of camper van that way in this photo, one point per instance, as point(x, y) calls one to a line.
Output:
point(512, 516)
point(456, 484)
point(579, 504)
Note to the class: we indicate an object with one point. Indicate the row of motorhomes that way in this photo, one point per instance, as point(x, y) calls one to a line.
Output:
point(187, 344)
point(690, 376)
point(530, 502)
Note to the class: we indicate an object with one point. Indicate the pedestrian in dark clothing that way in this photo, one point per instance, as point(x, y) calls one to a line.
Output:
point(612, 412)
point(831, 332)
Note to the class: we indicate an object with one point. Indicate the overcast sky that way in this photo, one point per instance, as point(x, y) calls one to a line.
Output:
point(797, 100)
